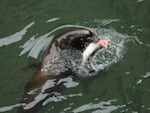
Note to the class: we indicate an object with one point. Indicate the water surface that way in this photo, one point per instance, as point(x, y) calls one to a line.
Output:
point(26, 27)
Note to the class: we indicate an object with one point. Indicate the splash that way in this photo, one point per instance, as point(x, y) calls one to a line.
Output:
point(103, 58)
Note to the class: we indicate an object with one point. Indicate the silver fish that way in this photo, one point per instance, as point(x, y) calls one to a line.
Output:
point(91, 48)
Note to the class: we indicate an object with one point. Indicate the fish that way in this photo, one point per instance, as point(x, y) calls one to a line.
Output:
point(92, 48)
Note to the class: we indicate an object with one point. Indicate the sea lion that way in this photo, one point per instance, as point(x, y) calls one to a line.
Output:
point(47, 79)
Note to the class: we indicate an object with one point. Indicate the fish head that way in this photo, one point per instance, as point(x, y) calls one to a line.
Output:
point(104, 43)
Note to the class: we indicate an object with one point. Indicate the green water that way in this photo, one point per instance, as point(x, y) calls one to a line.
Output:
point(124, 87)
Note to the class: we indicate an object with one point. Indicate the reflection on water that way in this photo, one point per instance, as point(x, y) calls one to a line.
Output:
point(38, 94)
point(52, 20)
point(8, 108)
point(35, 46)
point(126, 79)
point(101, 107)
point(15, 37)
point(143, 77)
point(58, 97)
point(137, 40)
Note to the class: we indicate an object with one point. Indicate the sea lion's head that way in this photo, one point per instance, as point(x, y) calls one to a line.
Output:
point(78, 38)
point(65, 50)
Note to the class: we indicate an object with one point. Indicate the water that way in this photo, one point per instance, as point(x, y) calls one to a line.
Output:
point(27, 27)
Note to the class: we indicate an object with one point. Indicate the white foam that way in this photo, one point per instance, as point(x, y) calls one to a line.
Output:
point(37, 99)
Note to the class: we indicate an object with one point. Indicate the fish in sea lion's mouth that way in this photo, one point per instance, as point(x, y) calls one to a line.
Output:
point(92, 47)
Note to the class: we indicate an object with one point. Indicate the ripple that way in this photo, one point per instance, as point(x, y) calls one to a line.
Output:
point(143, 77)
point(35, 45)
point(139, 42)
point(58, 97)
point(8, 108)
point(105, 22)
point(52, 20)
point(15, 37)
point(140, 1)
point(54, 96)
point(101, 107)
